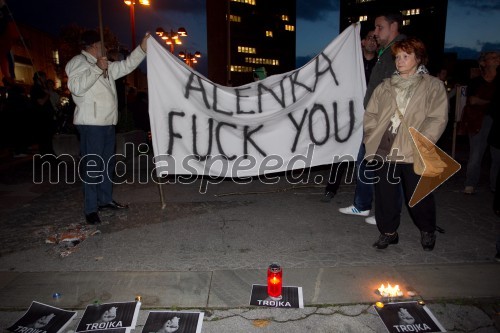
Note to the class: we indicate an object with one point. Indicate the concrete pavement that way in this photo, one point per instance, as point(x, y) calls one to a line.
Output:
point(204, 251)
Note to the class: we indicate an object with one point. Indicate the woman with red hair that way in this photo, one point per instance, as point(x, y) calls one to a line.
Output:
point(409, 98)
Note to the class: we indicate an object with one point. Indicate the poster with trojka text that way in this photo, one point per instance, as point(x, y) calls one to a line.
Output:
point(43, 318)
point(408, 317)
point(109, 316)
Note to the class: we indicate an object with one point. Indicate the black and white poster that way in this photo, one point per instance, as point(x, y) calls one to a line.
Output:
point(112, 330)
point(408, 317)
point(109, 316)
point(43, 318)
point(291, 297)
point(173, 321)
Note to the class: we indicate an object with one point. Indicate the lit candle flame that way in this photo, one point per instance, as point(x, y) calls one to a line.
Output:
point(390, 291)
point(275, 280)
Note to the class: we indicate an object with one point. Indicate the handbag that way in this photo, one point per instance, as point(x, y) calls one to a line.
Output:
point(422, 149)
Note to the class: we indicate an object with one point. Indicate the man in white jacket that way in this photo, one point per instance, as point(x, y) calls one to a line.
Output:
point(91, 80)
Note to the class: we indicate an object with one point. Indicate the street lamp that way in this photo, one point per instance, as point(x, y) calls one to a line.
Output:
point(131, 4)
point(190, 58)
point(172, 38)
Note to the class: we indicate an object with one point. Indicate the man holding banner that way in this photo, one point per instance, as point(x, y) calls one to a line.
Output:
point(91, 80)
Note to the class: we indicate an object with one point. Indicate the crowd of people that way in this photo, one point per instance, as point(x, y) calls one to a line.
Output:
point(33, 115)
point(400, 94)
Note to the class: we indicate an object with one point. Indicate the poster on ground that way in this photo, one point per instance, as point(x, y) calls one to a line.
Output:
point(173, 321)
point(408, 317)
point(291, 297)
point(43, 318)
point(109, 316)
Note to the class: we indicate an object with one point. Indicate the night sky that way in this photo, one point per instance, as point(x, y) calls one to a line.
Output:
point(472, 25)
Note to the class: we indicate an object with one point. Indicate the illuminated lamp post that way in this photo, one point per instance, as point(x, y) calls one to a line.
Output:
point(172, 38)
point(131, 4)
point(190, 58)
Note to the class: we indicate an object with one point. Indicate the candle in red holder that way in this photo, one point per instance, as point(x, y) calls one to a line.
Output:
point(274, 281)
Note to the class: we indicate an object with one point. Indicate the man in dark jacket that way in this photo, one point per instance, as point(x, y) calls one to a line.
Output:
point(387, 26)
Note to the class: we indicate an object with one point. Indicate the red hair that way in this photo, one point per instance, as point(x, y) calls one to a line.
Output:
point(411, 45)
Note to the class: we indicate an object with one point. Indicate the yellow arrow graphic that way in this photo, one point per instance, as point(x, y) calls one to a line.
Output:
point(439, 166)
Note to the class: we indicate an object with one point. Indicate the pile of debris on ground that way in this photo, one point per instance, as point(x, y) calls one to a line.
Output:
point(69, 237)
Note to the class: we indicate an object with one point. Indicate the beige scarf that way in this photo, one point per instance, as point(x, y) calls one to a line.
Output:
point(404, 91)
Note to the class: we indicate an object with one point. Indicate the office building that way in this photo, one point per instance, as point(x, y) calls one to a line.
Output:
point(245, 35)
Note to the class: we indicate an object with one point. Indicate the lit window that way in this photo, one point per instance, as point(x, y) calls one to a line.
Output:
point(246, 49)
point(235, 18)
point(289, 27)
point(55, 57)
point(284, 18)
point(262, 61)
point(363, 18)
point(411, 12)
point(406, 22)
point(249, 2)
point(235, 68)
point(269, 33)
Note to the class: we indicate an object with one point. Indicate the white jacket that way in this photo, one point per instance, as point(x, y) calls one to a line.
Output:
point(95, 96)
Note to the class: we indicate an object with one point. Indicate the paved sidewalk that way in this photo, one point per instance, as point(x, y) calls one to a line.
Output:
point(204, 251)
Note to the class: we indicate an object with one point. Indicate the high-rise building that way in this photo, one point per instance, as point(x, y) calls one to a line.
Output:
point(248, 35)
point(424, 19)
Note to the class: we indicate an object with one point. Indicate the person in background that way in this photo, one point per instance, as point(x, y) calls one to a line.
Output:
point(140, 113)
point(91, 80)
point(476, 121)
point(43, 114)
point(54, 95)
point(18, 119)
point(259, 73)
point(369, 48)
point(409, 98)
point(494, 141)
point(387, 32)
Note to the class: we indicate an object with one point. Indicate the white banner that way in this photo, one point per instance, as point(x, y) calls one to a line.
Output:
point(288, 121)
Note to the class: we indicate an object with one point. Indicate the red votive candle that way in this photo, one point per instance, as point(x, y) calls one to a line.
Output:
point(274, 281)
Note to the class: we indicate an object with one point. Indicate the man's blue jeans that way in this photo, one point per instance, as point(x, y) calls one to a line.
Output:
point(363, 194)
point(97, 164)
point(478, 143)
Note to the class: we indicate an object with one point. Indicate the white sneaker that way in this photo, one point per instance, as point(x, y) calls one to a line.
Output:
point(351, 210)
point(371, 220)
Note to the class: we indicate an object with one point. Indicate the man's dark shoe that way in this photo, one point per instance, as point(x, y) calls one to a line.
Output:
point(428, 240)
point(93, 218)
point(113, 205)
point(384, 240)
point(327, 197)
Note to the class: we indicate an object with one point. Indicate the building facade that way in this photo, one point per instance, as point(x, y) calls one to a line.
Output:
point(36, 51)
point(248, 35)
point(424, 19)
